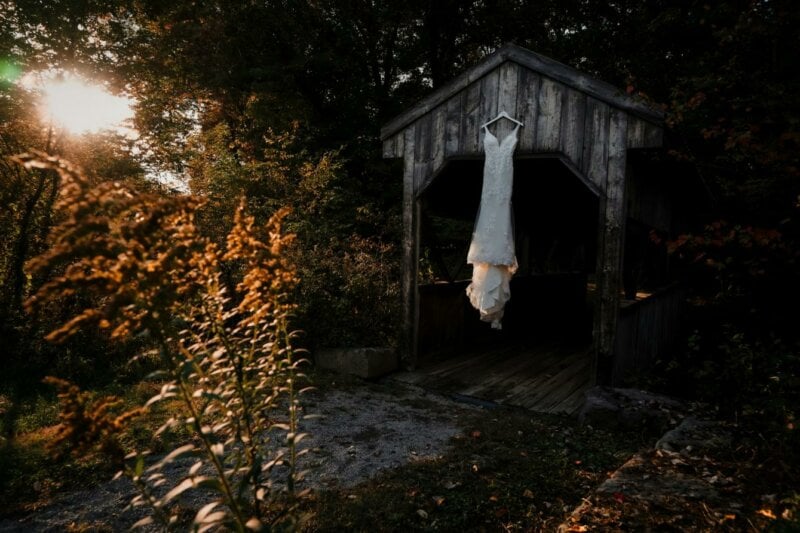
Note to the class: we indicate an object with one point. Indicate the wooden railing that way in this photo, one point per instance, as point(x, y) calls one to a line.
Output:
point(646, 330)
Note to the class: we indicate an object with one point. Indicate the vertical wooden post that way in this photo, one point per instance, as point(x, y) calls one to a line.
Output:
point(409, 326)
point(611, 234)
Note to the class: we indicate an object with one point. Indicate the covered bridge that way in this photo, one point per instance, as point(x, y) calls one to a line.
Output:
point(581, 197)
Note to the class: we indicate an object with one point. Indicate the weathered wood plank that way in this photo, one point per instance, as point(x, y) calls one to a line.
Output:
point(595, 147)
point(422, 141)
point(571, 376)
point(400, 139)
point(545, 378)
point(635, 132)
point(609, 254)
point(453, 124)
point(507, 89)
point(645, 329)
point(469, 130)
point(653, 135)
point(644, 134)
point(408, 332)
point(539, 373)
point(438, 138)
point(548, 387)
point(507, 98)
point(573, 393)
point(389, 147)
point(527, 108)
point(471, 364)
point(423, 175)
point(573, 125)
point(489, 88)
point(548, 124)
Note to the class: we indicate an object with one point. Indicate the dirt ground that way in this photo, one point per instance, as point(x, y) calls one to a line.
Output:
point(360, 431)
point(389, 456)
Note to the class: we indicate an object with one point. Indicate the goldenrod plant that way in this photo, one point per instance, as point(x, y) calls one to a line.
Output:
point(226, 347)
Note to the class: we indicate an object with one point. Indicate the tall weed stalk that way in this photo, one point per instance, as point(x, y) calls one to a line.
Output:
point(226, 347)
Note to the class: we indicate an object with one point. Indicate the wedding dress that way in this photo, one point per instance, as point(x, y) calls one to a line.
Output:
point(491, 252)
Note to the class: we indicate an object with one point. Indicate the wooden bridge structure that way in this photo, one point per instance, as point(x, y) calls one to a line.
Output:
point(582, 196)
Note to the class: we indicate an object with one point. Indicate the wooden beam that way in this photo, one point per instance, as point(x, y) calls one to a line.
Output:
point(411, 211)
point(611, 234)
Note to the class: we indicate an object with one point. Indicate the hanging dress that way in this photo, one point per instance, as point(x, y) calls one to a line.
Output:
point(491, 252)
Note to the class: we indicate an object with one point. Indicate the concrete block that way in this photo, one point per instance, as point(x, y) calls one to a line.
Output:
point(363, 362)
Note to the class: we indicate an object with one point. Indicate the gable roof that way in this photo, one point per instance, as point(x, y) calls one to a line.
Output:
point(551, 68)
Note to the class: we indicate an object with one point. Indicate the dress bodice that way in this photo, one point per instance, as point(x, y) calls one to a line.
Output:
point(493, 239)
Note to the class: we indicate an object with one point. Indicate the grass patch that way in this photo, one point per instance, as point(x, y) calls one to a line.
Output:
point(513, 470)
point(30, 475)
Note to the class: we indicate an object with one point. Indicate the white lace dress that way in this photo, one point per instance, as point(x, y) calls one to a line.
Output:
point(491, 252)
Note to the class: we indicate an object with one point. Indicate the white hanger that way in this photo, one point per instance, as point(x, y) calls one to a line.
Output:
point(503, 114)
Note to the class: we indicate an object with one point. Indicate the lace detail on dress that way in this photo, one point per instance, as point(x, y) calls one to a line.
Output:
point(491, 251)
point(493, 238)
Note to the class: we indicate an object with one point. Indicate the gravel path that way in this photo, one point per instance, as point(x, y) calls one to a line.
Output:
point(362, 430)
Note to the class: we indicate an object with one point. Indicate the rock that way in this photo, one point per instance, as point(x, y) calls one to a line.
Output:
point(674, 479)
point(367, 363)
point(695, 436)
point(614, 408)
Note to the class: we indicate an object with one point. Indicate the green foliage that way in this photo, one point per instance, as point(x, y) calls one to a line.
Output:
point(744, 354)
point(350, 289)
point(742, 272)
point(228, 361)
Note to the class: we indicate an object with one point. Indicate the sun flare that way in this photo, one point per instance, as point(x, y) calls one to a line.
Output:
point(80, 107)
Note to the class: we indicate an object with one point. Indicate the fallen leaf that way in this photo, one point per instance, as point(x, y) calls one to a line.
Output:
point(438, 500)
point(619, 497)
point(475, 434)
point(768, 513)
point(528, 494)
point(422, 513)
point(493, 498)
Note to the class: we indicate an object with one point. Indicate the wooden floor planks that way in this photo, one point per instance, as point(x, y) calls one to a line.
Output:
point(548, 378)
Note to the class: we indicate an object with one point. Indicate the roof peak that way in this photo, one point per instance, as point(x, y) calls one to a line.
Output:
point(543, 65)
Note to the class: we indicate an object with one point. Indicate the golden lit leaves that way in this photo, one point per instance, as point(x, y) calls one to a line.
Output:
point(142, 267)
point(269, 276)
point(86, 423)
